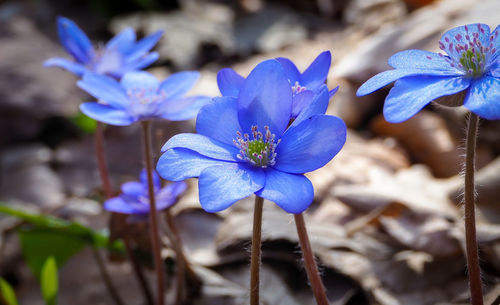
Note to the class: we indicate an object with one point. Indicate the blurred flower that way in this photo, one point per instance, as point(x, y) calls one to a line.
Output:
point(135, 198)
point(471, 66)
point(140, 96)
point(120, 55)
point(312, 79)
point(245, 144)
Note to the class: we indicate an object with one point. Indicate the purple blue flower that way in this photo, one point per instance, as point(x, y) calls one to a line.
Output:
point(134, 198)
point(312, 79)
point(471, 65)
point(140, 96)
point(246, 144)
point(120, 55)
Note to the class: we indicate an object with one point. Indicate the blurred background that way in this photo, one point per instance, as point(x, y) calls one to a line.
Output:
point(386, 223)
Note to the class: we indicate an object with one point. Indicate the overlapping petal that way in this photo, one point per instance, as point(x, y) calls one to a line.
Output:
point(122, 41)
point(203, 145)
point(318, 105)
point(106, 114)
point(483, 98)
point(140, 48)
point(119, 205)
point(229, 82)
point(140, 80)
point(104, 88)
point(316, 73)
point(168, 195)
point(291, 71)
point(177, 84)
point(183, 108)
point(458, 35)
point(133, 188)
point(219, 120)
point(419, 59)
point(74, 40)
point(66, 64)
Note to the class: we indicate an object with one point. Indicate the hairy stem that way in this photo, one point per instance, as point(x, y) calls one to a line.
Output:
point(146, 132)
point(475, 285)
point(105, 276)
point(311, 268)
point(255, 259)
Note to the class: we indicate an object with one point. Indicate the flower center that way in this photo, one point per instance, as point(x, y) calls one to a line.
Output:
point(297, 88)
point(144, 102)
point(259, 150)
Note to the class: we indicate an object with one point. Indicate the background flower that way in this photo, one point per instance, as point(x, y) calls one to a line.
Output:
point(120, 55)
point(245, 146)
point(471, 64)
point(140, 96)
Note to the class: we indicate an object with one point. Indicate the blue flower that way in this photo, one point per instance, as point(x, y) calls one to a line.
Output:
point(312, 79)
point(471, 65)
point(246, 145)
point(140, 96)
point(135, 197)
point(120, 55)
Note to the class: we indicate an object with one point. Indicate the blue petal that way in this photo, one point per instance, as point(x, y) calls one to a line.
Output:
point(332, 92)
point(418, 59)
point(293, 193)
point(143, 46)
point(221, 186)
point(449, 39)
point(265, 99)
point(69, 65)
point(140, 80)
point(219, 120)
point(203, 145)
point(122, 41)
point(134, 188)
point(382, 79)
point(229, 82)
point(495, 41)
point(74, 40)
point(483, 98)
point(178, 84)
point(317, 72)
point(104, 88)
point(301, 101)
point(106, 114)
point(178, 164)
point(168, 195)
point(138, 64)
point(311, 144)
point(156, 179)
point(318, 105)
point(291, 71)
point(119, 205)
point(409, 95)
point(191, 104)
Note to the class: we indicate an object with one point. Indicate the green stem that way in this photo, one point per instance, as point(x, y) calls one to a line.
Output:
point(146, 132)
point(475, 285)
point(255, 259)
point(311, 268)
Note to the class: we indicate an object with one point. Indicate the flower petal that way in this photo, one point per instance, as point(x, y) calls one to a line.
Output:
point(318, 105)
point(483, 98)
point(139, 63)
point(457, 36)
point(333, 91)
point(219, 120)
point(106, 114)
point(221, 186)
point(133, 188)
point(293, 193)
point(265, 99)
point(178, 84)
point(383, 79)
point(316, 73)
point(104, 88)
point(301, 101)
point(119, 205)
point(168, 195)
point(229, 82)
point(143, 46)
point(74, 40)
point(122, 41)
point(156, 179)
point(184, 108)
point(311, 144)
point(409, 95)
point(203, 145)
point(178, 164)
point(140, 80)
point(291, 71)
point(418, 59)
point(495, 41)
point(69, 65)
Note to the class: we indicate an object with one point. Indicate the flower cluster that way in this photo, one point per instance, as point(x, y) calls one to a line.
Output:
point(471, 65)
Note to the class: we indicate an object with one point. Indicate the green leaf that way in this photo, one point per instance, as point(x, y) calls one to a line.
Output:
point(39, 244)
point(49, 281)
point(86, 124)
point(8, 294)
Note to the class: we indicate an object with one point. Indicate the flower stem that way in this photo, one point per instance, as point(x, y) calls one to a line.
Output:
point(255, 259)
point(108, 192)
point(182, 263)
point(475, 285)
point(146, 132)
point(311, 268)
point(105, 276)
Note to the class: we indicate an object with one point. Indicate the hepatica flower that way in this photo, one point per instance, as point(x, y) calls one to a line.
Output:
point(313, 78)
point(140, 96)
point(245, 145)
point(471, 64)
point(120, 55)
point(134, 198)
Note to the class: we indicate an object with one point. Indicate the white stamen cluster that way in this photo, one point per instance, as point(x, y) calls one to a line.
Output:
point(259, 150)
point(297, 88)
